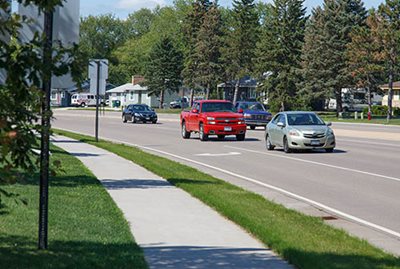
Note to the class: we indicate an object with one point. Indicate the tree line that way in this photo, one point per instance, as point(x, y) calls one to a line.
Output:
point(299, 60)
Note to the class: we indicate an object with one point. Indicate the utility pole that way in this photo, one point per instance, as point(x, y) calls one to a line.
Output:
point(45, 131)
point(98, 62)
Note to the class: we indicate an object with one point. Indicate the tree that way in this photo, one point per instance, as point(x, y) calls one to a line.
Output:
point(338, 18)
point(139, 22)
point(208, 48)
point(242, 41)
point(163, 69)
point(21, 93)
point(388, 34)
point(364, 56)
point(279, 51)
point(191, 26)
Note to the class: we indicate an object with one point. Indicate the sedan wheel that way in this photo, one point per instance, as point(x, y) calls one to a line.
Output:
point(286, 146)
point(268, 143)
point(329, 150)
point(124, 119)
point(203, 136)
point(133, 119)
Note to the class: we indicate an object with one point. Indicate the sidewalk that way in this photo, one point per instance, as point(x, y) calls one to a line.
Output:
point(174, 229)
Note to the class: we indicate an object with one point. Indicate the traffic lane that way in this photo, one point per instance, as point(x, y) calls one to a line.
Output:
point(366, 127)
point(368, 155)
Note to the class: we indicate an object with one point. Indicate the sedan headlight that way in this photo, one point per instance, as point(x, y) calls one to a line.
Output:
point(293, 133)
point(138, 114)
point(329, 131)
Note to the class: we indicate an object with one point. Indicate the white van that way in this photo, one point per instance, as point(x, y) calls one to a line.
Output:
point(84, 99)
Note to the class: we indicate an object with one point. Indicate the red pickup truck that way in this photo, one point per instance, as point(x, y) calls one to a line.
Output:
point(213, 117)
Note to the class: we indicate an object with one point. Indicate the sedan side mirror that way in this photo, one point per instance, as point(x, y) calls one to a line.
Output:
point(281, 124)
point(329, 124)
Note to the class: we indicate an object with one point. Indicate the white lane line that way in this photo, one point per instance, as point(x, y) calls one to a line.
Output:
point(317, 163)
point(218, 154)
point(368, 142)
point(317, 204)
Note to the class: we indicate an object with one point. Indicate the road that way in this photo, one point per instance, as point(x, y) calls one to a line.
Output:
point(358, 184)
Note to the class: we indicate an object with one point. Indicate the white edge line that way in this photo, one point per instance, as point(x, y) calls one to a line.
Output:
point(317, 204)
point(317, 163)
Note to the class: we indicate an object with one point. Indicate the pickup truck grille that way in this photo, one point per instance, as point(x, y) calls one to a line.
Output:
point(258, 117)
point(226, 121)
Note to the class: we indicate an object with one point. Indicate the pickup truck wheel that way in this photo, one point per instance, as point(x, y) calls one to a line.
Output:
point(286, 146)
point(221, 137)
point(268, 143)
point(240, 137)
point(185, 134)
point(124, 119)
point(203, 136)
point(252, 127)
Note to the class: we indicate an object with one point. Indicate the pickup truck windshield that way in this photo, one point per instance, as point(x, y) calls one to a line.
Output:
point(218, 107)
point(251, 106)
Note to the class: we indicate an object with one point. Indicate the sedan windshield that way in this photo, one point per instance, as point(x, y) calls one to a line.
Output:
point(140, 108)
point(304, 119)
point(218, 107)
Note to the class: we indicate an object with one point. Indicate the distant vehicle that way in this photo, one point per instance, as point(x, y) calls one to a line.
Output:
point(254, 113)
point(355, 100)
point(178, 103)
point(213, 117)
point(139, 112)
point(299, 130)
point(84, 99)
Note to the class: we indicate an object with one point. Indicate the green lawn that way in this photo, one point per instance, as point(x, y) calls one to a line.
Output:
point(304, 241)
point(86, 229)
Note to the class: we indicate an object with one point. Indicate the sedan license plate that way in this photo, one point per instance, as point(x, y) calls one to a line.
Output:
point(227, 129)
point(314, 142)
point(147, 118)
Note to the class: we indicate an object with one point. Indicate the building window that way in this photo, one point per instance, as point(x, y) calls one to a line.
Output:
point(53, 96)
point(131, 97)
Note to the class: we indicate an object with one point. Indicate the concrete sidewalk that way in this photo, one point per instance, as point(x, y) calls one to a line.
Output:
point(174, 229)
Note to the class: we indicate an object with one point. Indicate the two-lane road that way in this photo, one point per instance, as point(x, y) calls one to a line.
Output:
point(359, 182)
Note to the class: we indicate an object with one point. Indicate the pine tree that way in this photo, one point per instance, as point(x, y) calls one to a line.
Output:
point(364, 56)
point(388, 33)
point(208, 49)
point(242, 40)
point(191, 27)
point(280, 51)
point(339, 17)
point(163, 70)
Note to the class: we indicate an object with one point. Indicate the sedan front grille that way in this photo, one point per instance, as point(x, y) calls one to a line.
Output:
point(321, 135)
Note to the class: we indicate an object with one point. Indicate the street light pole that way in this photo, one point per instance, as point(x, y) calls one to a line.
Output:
point(45, 131)
point(98, 62)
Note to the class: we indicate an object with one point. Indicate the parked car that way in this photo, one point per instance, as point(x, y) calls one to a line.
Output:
point(254, 113)
point(213, 117)
point(139, 112)
point(178, 103)
point(299, 130)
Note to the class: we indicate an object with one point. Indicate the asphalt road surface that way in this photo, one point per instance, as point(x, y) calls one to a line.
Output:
point(358, 184)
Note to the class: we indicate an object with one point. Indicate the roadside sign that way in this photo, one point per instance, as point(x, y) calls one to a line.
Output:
point(94, 65)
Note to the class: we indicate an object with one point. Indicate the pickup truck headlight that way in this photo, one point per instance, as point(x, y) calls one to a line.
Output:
point(210, 118)
point(247, 116)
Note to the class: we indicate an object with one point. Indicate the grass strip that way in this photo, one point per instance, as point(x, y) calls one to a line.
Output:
point(86, 228)
point(395, 121)
point(306, 242)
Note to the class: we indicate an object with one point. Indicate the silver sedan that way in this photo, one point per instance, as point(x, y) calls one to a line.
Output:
point(299, 130)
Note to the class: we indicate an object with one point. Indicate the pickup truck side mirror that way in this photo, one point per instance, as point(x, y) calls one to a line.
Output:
point(195, 111)
point(240, 111)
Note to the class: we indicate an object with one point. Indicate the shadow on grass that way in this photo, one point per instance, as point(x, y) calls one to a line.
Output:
point(21, 252)
point(62, 181)
point(183, 181)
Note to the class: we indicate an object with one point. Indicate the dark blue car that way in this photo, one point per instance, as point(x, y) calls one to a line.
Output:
point(254, 113)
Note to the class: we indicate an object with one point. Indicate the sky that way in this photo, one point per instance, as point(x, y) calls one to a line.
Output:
point(121, 8)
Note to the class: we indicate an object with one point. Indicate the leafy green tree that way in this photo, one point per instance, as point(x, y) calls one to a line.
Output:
point(388, 34)
point(363, 54)
point(279, 51)
point(21, 93)
point(192, 22)
point(242, 41)
point(208, 48)
point(139, 22)
point(163, 69)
